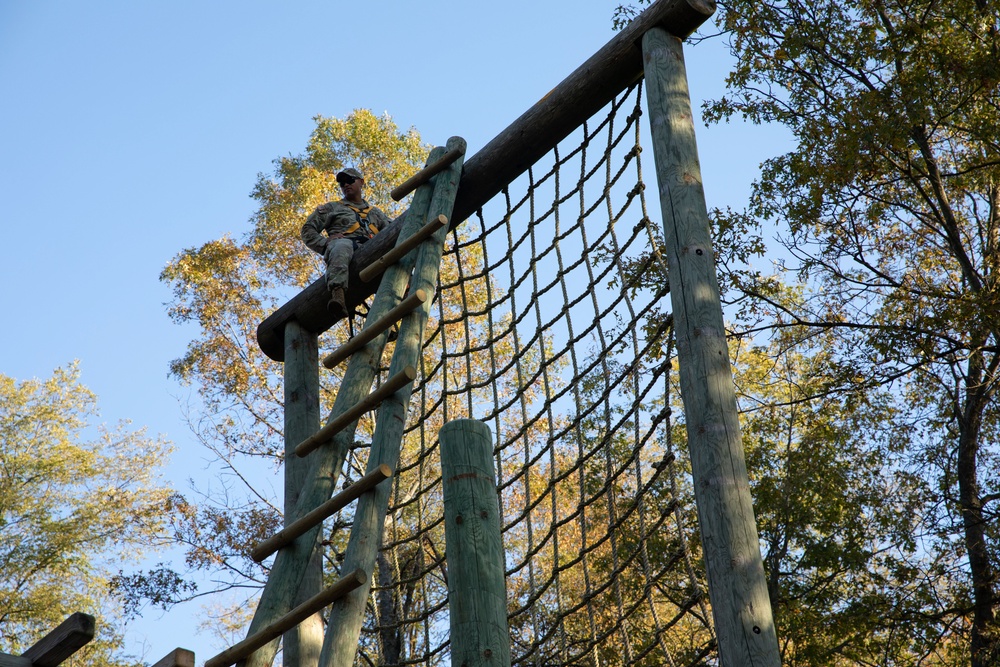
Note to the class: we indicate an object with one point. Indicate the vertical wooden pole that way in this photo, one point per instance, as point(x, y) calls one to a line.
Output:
point(179, 657)
point(736, 584)
point(301, 645)
point(477, 596)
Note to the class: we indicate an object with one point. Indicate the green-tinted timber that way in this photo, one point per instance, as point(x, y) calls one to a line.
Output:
point(737, 588)
point(301, 645)
point(477, 595)
point(325, 463)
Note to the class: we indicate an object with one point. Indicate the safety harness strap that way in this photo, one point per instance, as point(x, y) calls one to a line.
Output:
point(361, 216)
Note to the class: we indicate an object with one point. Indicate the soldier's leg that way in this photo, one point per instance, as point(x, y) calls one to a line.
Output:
point(338, 259)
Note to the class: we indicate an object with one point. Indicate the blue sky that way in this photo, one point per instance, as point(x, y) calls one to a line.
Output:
point(132, 130)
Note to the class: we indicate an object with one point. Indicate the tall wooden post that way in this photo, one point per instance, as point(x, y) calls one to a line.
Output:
point(477, 595)
point(736, 583)
point(301, 645)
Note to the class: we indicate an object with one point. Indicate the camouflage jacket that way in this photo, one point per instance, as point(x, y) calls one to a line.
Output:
point(355, 221)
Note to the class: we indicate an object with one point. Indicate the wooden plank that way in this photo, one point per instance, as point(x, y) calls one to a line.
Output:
point(72, 634)
point(327, 509)
point(373, 329)
point(246, 647)
point(367, 404)
point(179, 657)
point(7, 660)
point(736, 584)
point(402, 247)
point(477, 595)
point(592, 85)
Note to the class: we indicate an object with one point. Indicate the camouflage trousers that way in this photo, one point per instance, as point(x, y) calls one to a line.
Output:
point(338, 258)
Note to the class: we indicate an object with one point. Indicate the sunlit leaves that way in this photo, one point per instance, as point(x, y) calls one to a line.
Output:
point(890, 202)
point(77, 501)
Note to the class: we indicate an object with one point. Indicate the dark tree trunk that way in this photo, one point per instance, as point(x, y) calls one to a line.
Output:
point(985, 644)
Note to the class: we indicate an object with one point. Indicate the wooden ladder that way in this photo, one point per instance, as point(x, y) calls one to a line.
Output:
point(409, 278)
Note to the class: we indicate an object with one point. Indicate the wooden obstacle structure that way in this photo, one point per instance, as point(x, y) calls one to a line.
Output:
point(69, 637)
point(413, 268)
point(447, 191)
point(584, 92)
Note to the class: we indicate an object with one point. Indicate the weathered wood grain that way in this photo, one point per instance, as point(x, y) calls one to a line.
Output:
point(179, 657)
point(737, 588)
point(72, 634)
point(477, 594)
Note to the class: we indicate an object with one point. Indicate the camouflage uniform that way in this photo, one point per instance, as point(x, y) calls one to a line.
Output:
point(357, 222)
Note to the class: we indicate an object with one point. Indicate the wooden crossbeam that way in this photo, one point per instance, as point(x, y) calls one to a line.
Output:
point(388, 388)
point(8, 660)
point(288, 534)
point(314, 604)
point(373, 329)
point(72, 634)
point(179, 657)
point(399, 251)
point(425, 174)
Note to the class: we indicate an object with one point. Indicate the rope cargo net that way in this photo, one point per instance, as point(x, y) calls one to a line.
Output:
point(549, 326)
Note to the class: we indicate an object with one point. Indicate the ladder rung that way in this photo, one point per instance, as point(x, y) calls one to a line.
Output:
point(370, 402)
point(403, 247)
point(288, 534)
point(243, 649)
point(406, 306)
point(425, 174)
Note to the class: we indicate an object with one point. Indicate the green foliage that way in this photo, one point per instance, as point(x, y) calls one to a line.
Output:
point(77, 502)
point(891, 202)
point(226, 287)
point(836, 506)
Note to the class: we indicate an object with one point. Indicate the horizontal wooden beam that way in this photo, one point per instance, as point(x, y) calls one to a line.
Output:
point(290, 533)
point(72, 634)
point(314, 604)
point(595, 83)
point(615, 67)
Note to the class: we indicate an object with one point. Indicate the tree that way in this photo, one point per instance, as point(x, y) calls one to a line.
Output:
point(890, 206)
point(226, 287)
point(888, 211)
point(838, 508)
point(77, 500)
